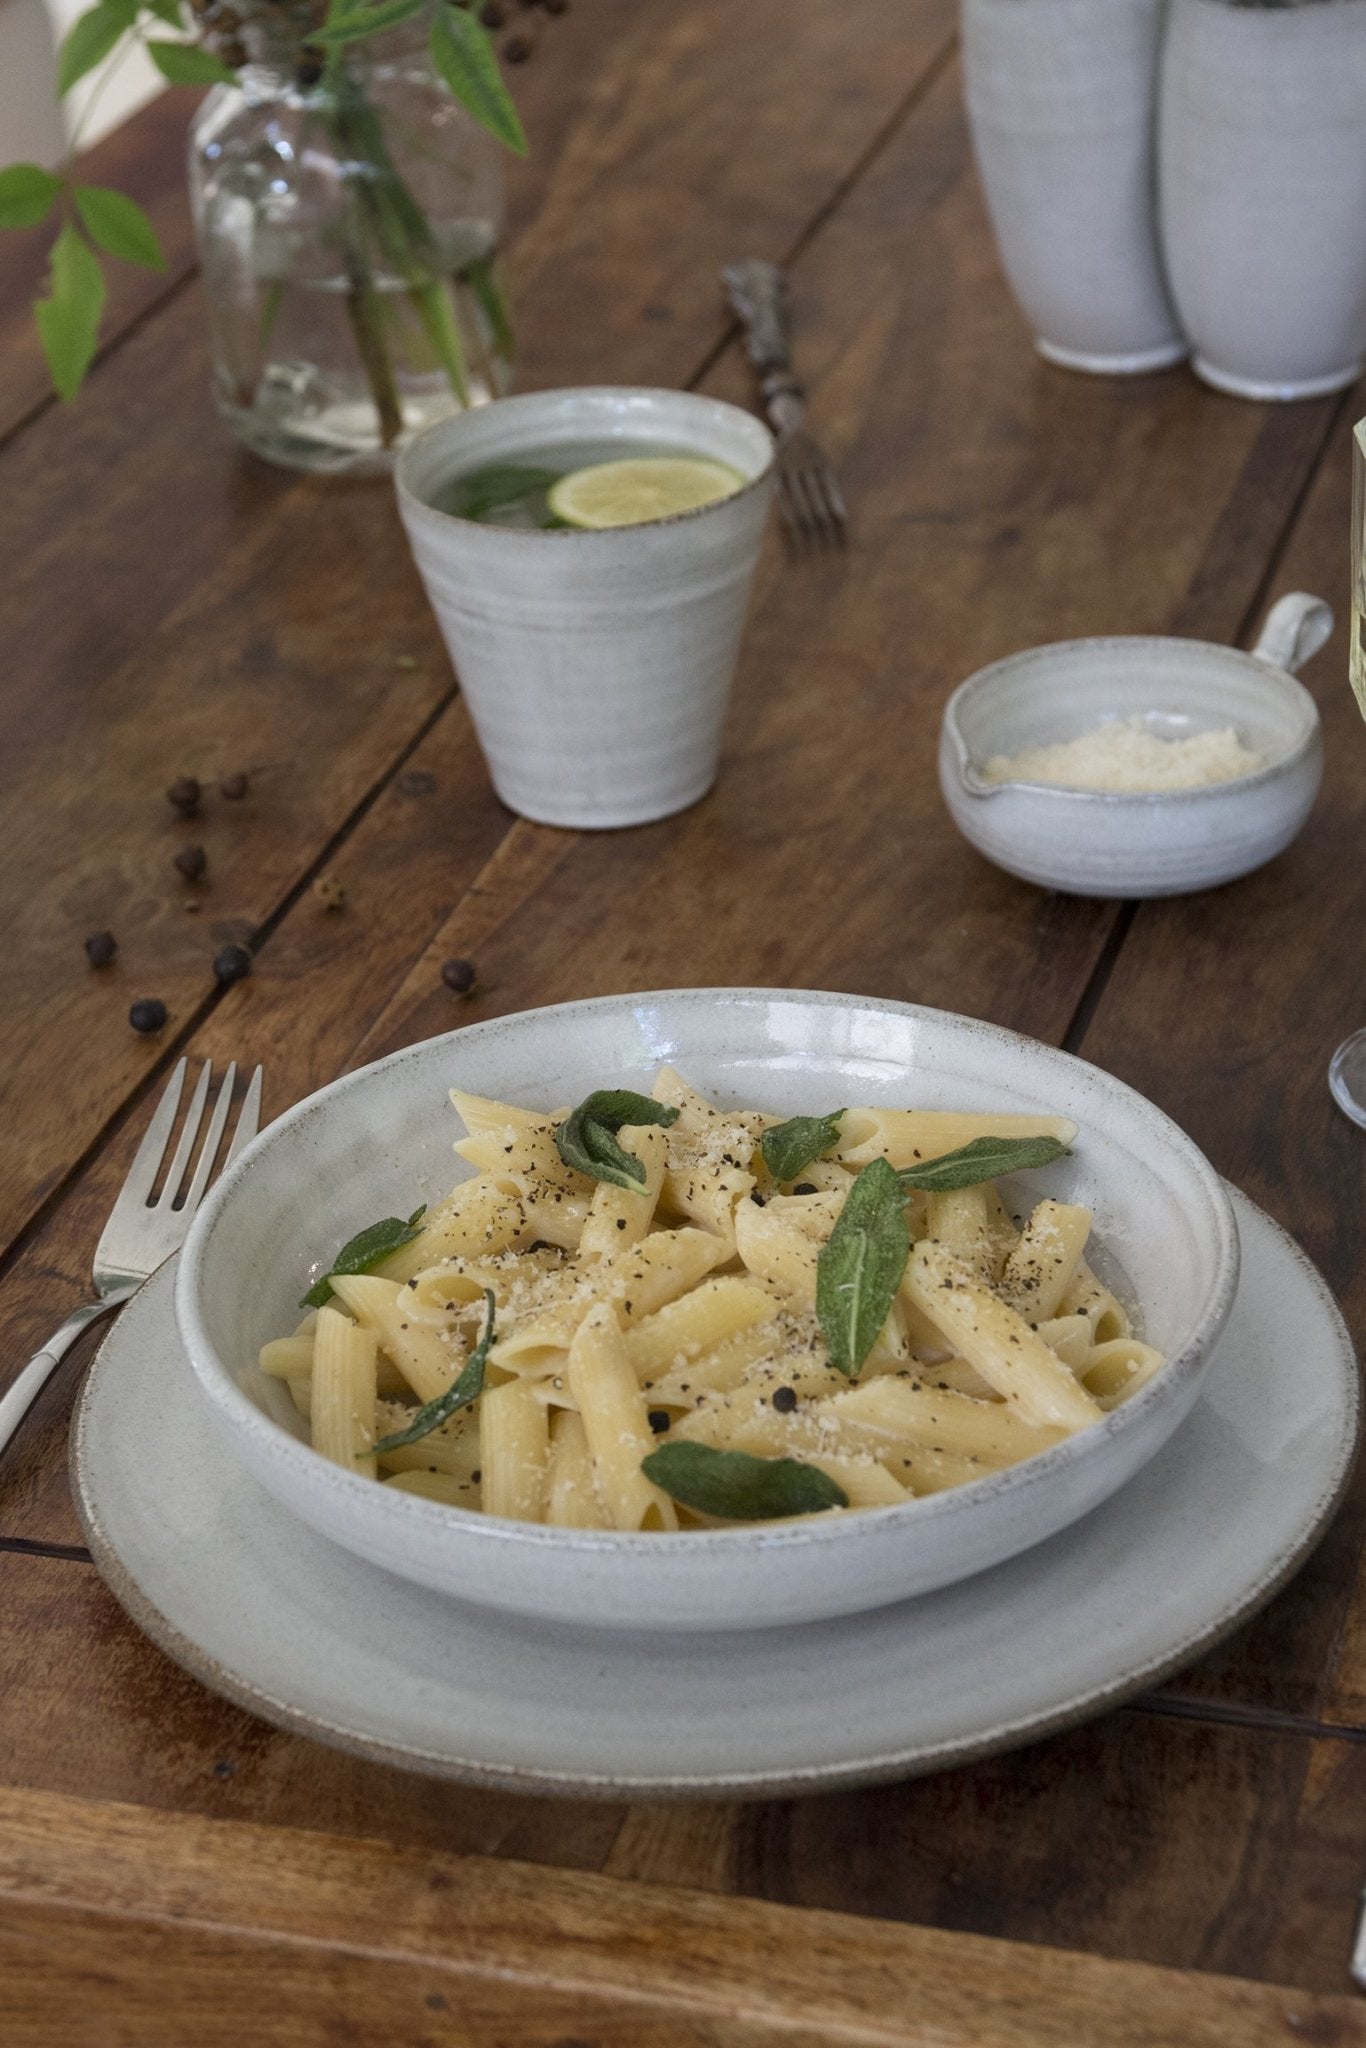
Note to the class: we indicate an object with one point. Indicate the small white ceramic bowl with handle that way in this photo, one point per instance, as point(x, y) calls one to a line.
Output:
point(378, 1141)
point(1089, 842)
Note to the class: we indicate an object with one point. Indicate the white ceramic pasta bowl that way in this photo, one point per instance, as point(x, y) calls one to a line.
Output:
point(1167, 843)
point(379, 1140)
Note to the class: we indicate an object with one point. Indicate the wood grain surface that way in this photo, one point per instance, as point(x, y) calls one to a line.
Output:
point(172, 1868)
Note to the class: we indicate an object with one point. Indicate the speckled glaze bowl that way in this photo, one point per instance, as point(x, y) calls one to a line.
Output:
point(1089, 842)
point(377, 1141)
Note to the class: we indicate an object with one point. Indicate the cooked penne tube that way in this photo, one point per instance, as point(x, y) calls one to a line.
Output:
point(427, 1358)
point(1087, 1296)
point(342, 1397)
point(573, 1498)
point(695, 1322)
point(908, 1137)
point(936, 1419)
point(1041, 1267)
point(616, 1424)
point(997, 1341)
point(514, 1452)
point(616, 1217)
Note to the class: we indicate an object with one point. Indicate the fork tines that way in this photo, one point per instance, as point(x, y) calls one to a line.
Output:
point(142, 1175)
point(809, 497)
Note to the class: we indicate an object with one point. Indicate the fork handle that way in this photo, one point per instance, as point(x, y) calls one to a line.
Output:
point(757, 292)
point(21, 1396)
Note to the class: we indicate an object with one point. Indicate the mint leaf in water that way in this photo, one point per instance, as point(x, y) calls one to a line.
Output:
point(119, 225)
point(983, 1159)
point(789, 1148)
point(27, 195)
point(587, 1141)
point(69, 317)
point(861, 1264)
point(186, 64)
point(363, 1252)
point(463, 53)
point(468, 1387)
point(739, 1488)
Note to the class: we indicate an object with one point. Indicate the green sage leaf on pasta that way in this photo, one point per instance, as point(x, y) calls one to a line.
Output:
point(69, 317)
point(363, 1252)
point(789, 1148)
point(184, 64)
point(587, 1139)
point(119, 226)
point(739, 1488)
point(463, 53)
point(27, 193)
point(348, 23)
point(467, 1387)
point(90, 39)
point(984, 1159)
point(861, 1264)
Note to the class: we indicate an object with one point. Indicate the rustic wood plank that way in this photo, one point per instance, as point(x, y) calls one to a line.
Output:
point(1153, 1839)
point(152, 1924)
point(1224, 1008)
point(157, 644)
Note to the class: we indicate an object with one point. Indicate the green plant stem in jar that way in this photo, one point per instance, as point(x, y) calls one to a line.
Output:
point(348, 212)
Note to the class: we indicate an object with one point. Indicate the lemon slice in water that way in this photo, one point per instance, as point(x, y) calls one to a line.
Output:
point(641, 488)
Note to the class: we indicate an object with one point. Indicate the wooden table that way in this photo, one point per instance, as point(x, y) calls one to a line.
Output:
point(1187, 1870)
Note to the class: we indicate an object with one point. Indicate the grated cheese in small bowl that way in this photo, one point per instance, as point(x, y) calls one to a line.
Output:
point(1125, 755)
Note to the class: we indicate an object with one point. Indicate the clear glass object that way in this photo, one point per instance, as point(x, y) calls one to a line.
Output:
point(1347, 1069)
point(348, 215)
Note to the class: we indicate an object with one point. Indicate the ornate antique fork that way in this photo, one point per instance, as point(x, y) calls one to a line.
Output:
point(809, 495)
point(141, 1234)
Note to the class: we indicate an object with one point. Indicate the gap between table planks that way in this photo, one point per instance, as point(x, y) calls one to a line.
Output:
point(127, 1926)
point(184, 608)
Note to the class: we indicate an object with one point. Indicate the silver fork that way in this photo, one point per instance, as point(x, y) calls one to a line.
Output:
point(809, 496)
point(141, 1234)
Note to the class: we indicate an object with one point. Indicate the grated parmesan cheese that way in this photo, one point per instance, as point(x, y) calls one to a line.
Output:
point(1126, 755)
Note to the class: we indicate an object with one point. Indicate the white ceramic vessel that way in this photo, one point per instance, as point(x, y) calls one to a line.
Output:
point(260, 1607)
point(596, 665)
point(1169, 843)
point(1061, 97)
point(377, 1141)
point(1262, 155)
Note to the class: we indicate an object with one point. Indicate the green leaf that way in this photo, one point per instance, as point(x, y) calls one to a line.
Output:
point(167, 11)
point(347, 24)
point(503, 488)
point(363, 1252)
point(26, 195)
point(183, 64)
point(463, 54)
point(468, 1387)
point(983, 1159)
point(119, 225)
point(789, 1147)
point(69, 318)
point(738, 1487)
point(861, 1264)
point(90, 39)
point(586, 1140)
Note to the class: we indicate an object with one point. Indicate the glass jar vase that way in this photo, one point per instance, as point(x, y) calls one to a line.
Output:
point(348, 212)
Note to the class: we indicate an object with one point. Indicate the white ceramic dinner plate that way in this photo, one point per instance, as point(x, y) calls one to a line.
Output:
point(263, 1609)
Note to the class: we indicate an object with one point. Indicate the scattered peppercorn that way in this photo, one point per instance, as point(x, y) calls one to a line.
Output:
point(784, 1399)
point(234, 787)
point(517, 49)
point(659, 1420)
point(100, 948)
point(147, 1015)
point(555, 6)
point(491, 15)
point(309, 71)
point(183, 796)
point(330, 892)
point(806, 1187)
point(458, 975)
point(192, 861)
point(231, 963)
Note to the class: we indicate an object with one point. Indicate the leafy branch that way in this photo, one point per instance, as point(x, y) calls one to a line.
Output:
point(93, 221)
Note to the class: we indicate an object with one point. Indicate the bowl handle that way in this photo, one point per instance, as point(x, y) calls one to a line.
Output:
point(1296, 627)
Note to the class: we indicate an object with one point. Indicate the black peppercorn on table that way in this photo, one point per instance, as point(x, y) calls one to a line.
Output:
point(203, 653)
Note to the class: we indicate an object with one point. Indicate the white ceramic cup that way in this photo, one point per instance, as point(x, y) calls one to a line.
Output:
point(596, 665)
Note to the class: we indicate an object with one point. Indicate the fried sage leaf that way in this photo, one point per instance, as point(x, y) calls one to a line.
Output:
point(789, 1148)
point(739, 1488)
point(466, 1388)
point(861, 1264)
point(983, 1159)
point(363, 1252)
point(587, 1139)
